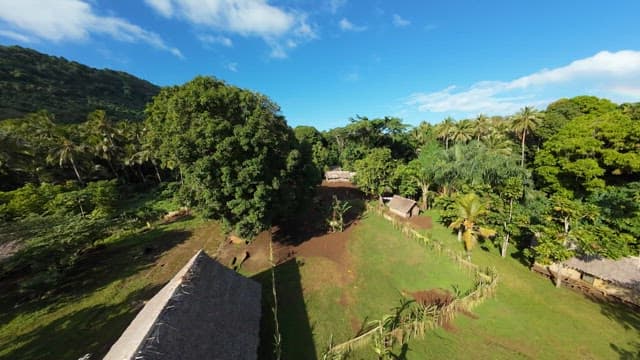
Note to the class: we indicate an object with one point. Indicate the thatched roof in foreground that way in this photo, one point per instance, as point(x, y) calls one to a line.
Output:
point(401, 204)
point(206, 311)
point(625, 271)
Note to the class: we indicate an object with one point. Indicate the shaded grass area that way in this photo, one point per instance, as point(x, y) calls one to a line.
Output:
point(102, 294)
point(295, 329)
point(531, 319)
point(333, 307)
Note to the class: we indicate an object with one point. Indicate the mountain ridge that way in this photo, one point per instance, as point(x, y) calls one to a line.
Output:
point(31, 81)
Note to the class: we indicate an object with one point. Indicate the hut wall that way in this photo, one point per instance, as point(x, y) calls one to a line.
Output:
point(399, 213)
point(415, 211)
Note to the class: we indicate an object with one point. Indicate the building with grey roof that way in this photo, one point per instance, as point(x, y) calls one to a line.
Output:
point(206, 311)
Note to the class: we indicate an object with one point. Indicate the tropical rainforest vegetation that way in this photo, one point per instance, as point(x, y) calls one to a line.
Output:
point(31, 81)
point(553, 183)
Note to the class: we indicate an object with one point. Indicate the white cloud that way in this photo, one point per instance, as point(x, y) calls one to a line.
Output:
point(164, 7)
point(71, 20)
point(15, 36)
point(244, 17)
point(335, 5)
point(398, 21)
point(232, 67)
point(215, 39)
point(346, 25)
point(615, 75)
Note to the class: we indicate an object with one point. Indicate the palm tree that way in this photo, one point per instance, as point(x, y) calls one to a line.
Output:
point(525, 121)
point(444, 130)
point(470, 208)
point(482, 127)
point(104, 138)
point(462, 132)
point(144, 156)
point(65, 154)
point(497, 143)
point(421, 134)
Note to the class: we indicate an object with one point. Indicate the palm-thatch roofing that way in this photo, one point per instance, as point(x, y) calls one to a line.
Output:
point(339, 175)
point(624, 272)
point(206, 311)
point(401, 205)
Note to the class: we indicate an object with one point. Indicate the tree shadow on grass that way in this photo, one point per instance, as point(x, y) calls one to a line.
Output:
point(95, 269)
point(312, 221)
point(295, 329)
point(630, 352)
point(628, 316)
point(91, 330)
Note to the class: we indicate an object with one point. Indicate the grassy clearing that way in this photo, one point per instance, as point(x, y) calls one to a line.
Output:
point(531, 319)
point(107, 290)
point(318, 302)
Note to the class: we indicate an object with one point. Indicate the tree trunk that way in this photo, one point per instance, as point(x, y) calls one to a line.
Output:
point(81, 209)
point(460, 235)
point(446, 143)
point(524, 135)
point(113, 169)
point(559, 275)
point(75, 169)
point(157, 172)
point(469, 255)
point(505, 244)
point(144, 181)
point(425, 189)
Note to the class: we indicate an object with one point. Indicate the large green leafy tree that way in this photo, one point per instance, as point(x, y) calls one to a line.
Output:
point(560, 112)
point(237, 156)
point(427, 166)
point(589, 153)
point(374, 172)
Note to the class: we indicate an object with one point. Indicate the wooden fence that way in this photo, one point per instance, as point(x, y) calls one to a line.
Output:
point(485, 287)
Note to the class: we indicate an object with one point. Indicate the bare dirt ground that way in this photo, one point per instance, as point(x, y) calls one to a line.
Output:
point(440, 298)
point(307, 235)
point(421, 222)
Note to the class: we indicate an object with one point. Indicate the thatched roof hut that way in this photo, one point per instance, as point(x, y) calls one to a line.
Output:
point(403, 207)
point(624, 272)
point(206, 311)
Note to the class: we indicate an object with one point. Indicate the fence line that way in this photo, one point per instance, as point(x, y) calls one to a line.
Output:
point(485, 287)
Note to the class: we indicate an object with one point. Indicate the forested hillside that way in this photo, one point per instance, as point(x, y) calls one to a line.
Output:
point(31, 81)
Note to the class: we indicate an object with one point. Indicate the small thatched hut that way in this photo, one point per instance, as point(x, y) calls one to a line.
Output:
point(403, 207)
point(206, 311)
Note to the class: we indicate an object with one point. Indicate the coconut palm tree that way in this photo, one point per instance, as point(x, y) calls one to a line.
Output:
point(524, 122)
point(104, 139)
point(65, 154)
point(470, 209)
point(482, 127)
point(462, 132)
point(498, 144)
point(444, 130)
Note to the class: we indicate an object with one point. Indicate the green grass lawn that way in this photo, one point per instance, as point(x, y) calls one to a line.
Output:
point(94, 306)
point(529, 318)
point(319, 302)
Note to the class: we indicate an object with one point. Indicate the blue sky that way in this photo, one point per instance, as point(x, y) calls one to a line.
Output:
point(326, 61)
